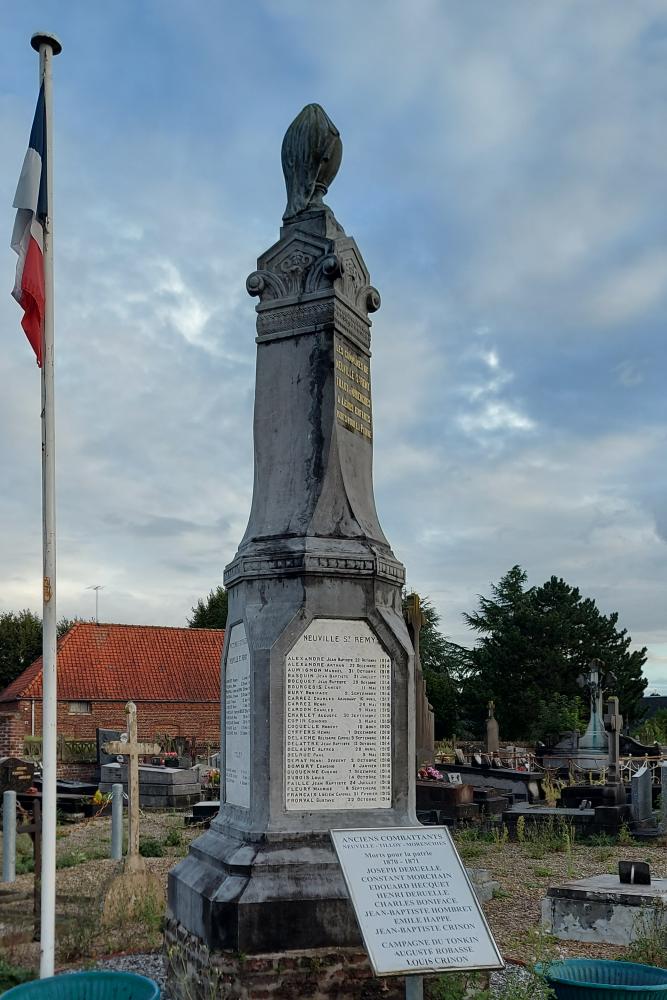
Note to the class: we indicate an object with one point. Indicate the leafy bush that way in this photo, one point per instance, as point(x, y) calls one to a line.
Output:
point(150, 847)
point(174, 838)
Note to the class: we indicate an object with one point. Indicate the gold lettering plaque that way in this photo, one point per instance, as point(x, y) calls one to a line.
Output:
point(353, 389)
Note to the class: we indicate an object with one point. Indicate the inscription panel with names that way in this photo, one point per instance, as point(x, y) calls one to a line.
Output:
point(416, 908)
point(237, 719)
point(353, 389)
point(337, 719)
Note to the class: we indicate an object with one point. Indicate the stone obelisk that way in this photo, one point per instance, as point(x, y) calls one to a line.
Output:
point(317, 672)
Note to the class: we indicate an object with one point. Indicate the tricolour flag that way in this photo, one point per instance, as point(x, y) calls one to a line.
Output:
point(28, 235)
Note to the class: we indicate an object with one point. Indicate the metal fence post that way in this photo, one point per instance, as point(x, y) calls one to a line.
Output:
point(116, 822)
point(9, 837)
point(414, 988)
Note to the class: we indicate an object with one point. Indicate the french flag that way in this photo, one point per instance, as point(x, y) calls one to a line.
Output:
point(28, 235)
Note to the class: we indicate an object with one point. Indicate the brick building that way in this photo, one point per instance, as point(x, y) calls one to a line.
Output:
point(173, 675)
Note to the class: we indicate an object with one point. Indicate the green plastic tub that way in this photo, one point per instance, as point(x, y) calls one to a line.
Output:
point(94, 985)
point(597, 979)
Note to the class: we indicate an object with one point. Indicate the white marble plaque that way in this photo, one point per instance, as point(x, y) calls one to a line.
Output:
point(237, 719)
point(416, 908)
point(337, 719)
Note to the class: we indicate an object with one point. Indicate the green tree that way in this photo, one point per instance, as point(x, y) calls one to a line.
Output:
point(442, 664)
point(534, 643)
point(654, 730)
point(211, 613)
point(20, 643)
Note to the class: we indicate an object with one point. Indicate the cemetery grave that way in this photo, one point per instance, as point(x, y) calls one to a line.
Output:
point(523, 871)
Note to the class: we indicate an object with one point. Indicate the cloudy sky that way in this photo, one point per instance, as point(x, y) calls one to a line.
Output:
point(505, 175)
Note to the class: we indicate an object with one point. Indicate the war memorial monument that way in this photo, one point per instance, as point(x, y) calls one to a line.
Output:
point(318, 668)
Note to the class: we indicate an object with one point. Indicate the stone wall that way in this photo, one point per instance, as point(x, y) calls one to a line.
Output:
point(191, 720)
point(195, 973)
point(11, 734)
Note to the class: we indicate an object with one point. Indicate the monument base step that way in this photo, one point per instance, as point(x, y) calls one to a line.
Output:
point(195, 972)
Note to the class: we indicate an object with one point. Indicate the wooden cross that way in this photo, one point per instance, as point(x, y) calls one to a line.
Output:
point(34, 830)
point(134, 750)
point(613, 722)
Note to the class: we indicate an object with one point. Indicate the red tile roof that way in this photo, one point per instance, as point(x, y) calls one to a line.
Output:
point(137, 662)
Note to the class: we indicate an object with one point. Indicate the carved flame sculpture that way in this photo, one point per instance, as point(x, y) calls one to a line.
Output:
point(311, 155)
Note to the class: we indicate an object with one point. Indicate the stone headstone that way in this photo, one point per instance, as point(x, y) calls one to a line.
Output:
point(634, 873)
point(492, 733)
point(103, 736)
point(459, 756)
point(641, 792)
point(663, 797)
point(16, 775)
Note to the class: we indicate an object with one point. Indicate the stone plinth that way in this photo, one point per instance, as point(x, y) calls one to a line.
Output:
point(601, 909)
point(197, 973)
point(159, 787)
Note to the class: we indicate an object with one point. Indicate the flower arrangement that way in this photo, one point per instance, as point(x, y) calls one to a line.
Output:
point(99, 800)
point(429, 774)
point(214, 777)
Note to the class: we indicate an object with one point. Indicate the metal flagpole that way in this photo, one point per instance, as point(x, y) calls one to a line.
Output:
point(48, 46)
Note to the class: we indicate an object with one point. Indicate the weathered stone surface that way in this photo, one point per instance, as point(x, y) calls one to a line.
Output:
point(641, 785)
point(310, 155)
point(264, 877)
point(159, 787)
point(600, 909)
point(197, 973)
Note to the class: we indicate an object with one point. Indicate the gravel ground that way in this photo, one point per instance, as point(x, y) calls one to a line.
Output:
point(152, 965)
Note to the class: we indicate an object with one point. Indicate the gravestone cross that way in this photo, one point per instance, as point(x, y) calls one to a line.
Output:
point(133, 750)
point(613, 722)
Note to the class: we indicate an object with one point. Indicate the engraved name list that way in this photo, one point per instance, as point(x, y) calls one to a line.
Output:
point(337, 719)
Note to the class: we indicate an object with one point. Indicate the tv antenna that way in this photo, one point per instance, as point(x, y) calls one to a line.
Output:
point(96, 587)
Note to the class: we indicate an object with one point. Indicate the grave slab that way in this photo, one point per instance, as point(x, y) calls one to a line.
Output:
point(601, 909)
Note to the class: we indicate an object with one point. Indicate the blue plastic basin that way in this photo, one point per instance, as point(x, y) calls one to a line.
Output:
point(99, 984)
point(597, 979)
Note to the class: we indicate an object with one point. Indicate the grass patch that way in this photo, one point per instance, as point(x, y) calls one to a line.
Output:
point(471, 851)
point(542, 872)
point(456, 986)
point(13, 975)
point(499, 893)
point(79, 857)
point(650, 944)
